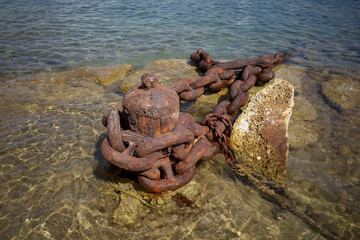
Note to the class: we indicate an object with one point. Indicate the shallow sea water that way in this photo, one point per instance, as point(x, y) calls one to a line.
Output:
point(51, 168)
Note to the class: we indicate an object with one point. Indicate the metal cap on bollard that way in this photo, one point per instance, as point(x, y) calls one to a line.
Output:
point(153, 109)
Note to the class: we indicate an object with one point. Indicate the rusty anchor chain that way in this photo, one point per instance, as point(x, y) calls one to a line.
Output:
point(150, 138)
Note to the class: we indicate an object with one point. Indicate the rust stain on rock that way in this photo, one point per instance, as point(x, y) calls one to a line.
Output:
point(259, 138)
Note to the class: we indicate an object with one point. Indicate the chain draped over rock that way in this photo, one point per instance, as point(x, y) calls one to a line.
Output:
point(150, 138)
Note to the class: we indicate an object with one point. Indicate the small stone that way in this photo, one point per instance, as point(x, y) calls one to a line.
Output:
point(260, 134)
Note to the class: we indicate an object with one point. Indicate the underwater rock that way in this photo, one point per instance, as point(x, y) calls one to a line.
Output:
point(169, 72)
point(130, 206)
point(340, 93)
point(260, 134)
point(104, 75)
point(293, 74)
point(302, 128)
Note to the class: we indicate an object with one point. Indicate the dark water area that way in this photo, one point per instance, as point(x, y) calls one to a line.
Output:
point(51, 169)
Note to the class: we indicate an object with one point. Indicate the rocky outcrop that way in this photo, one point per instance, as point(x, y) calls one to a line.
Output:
point(169, 72)
point(259, 138)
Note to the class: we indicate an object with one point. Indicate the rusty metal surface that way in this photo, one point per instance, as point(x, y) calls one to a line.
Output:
point(152, 109)
point(150, 138)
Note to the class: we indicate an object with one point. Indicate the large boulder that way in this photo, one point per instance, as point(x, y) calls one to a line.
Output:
point(169, 72)
point(260, 134)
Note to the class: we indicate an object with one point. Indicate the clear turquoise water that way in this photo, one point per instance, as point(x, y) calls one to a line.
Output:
point(55, 35)
point(52, 184)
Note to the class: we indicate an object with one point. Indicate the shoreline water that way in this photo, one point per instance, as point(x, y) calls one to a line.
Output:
point(53, 168)
point(56, 36)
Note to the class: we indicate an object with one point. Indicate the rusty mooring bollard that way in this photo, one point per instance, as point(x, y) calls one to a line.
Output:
point(150, 138)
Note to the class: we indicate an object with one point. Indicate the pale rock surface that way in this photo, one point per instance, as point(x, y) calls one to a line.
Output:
point(260, 134)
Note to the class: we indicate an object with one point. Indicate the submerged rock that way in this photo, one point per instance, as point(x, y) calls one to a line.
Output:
point(104, 75)
point(294, 74)
point(168, 71)
point(341, 93)
point(259, 138)
point(303, 128)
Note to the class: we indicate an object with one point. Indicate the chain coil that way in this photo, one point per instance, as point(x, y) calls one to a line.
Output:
point(167, 161)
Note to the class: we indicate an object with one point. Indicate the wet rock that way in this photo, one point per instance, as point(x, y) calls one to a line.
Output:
point(260, 134)
point(205, 104)
point(136, 203)
point(302, 134)
point(303, 110)
point(129, 210)
point(168, 71)
point(104, 75)
point(130, 207)
point(341, 93)
point(293, 74)
point(302, 127)
point(214, 97)
point(198, 109)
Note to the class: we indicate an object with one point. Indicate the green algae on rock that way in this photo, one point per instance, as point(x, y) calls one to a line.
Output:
point(259, 138)
point(169, 72)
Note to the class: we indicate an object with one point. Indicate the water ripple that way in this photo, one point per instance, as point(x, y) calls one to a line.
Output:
point(113, 32)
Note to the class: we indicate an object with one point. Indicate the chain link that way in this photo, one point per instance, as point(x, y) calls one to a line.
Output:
point(167, 162)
